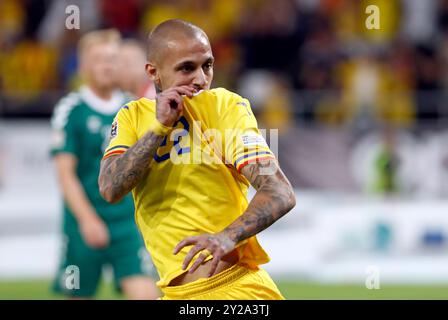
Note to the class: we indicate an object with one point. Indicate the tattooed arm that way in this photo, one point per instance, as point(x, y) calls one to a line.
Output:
point(120, 174)
point(273, 199)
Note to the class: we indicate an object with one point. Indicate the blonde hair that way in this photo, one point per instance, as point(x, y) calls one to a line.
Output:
point(96, 37)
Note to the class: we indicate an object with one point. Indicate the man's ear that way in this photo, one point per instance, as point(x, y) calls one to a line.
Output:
point(153, 73)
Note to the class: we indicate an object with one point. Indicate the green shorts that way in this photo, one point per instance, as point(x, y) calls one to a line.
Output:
point(81, 267)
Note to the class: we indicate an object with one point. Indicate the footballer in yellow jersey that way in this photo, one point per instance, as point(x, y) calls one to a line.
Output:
point(189, 156)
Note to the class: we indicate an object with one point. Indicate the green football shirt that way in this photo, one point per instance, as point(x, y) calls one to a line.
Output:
point(81, 125)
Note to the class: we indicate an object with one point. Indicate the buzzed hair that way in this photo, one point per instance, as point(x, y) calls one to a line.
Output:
point(167, 30)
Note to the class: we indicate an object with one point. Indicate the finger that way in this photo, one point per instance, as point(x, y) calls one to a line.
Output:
point(186, 242)
point(180, 107)
point(172, 96)
point(185, 90)
point(175, 101)
point(169, 93)
point(190, 255)
point(214, 265)
point(177, 91)
point(197, 263)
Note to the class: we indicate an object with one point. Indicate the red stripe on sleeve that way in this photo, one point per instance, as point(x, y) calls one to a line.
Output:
point(107, 155)
point(242, 165)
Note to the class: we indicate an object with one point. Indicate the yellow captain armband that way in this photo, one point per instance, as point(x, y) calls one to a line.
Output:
point(159, 128)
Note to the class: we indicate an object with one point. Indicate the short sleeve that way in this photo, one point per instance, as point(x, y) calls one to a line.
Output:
point(243, 143)
point(122, 133)
point(64, 127)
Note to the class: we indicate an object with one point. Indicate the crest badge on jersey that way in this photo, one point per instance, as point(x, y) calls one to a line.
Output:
point(94, 124)
point(114, 129)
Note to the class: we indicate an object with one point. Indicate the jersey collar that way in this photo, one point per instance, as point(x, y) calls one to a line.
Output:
point(107, 107)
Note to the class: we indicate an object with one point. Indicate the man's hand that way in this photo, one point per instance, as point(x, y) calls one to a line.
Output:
point(94, 232)
point(217, 245)
point(169, 104)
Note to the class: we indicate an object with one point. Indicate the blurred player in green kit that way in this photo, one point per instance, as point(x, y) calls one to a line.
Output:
point(96, 233)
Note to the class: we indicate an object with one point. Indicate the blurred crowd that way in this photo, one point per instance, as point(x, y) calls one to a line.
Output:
point(304, 64)
point(308, 60)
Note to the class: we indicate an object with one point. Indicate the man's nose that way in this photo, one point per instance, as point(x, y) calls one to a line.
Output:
point(200, 79)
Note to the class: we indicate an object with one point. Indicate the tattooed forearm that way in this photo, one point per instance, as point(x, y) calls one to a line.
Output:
point(274, 198)
point(120, 174)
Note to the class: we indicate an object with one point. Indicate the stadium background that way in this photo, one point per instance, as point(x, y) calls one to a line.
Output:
point(362, 133)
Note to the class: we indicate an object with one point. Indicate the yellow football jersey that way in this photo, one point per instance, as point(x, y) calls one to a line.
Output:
point(194, 185)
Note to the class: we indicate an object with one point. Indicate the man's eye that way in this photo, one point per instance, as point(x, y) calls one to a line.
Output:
point(187, 68)
point(208, 66)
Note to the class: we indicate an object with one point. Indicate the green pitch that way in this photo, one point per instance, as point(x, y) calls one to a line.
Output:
point(292, 290)
point(303, 290)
